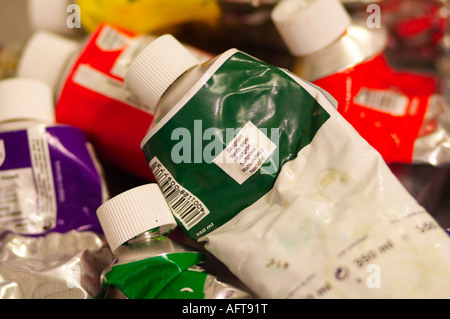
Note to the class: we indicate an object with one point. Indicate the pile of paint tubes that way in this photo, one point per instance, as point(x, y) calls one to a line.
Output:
point(279, 149)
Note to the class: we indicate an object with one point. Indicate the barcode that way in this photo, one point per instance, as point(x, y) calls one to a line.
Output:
point(383, 100)
point(185, 206)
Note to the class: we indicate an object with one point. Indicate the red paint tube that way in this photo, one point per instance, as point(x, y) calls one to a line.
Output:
point(397, 112)
point(92, 94)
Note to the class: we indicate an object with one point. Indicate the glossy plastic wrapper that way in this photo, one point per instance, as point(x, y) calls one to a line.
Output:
point(55, 266)
point(294, 201)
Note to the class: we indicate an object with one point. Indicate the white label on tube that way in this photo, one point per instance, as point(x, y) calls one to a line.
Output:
point(186, 207)
point(17, 199)
point(111, 40)
point(99, 82)
point(246, 153)
point(385, 101)
point(43, 175)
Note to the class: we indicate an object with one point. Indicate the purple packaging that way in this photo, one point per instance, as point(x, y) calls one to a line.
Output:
point(50, 180)
point(69, 187)
point(51, 242)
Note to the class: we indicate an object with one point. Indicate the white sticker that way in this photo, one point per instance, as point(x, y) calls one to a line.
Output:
point(2, 152)
point(246, 153)
point(385, 101)
point(43, 175)
point(110, 40)
point(186, 207)
point(18, 200)
point(99, 82)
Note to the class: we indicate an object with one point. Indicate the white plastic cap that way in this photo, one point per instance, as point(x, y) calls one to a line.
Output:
point(50, 15)
point(156, 67)
point(26, 99)
point(134, 212)
point(46, 56)
point(307, 26)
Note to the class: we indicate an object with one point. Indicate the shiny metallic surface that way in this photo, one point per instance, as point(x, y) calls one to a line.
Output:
point(358, 44)
point(434, 147)
point(216, 289)
point(143, 247)
point(55, 266)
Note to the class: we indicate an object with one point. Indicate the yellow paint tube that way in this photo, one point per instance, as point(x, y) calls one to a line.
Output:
point(145, 16)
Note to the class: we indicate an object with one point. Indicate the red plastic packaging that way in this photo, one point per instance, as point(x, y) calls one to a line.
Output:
point(95, 99)
point(385, 106)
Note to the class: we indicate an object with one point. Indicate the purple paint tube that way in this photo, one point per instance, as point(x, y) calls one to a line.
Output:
point(49, 177)
point(50, 188)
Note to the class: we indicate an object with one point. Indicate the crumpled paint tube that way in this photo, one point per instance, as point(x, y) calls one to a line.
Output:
point(55, 266)
point(149, 265)
point(51, 186)
point(50, 177)
point(399, 112)
point(295, 202)
point(87, 78)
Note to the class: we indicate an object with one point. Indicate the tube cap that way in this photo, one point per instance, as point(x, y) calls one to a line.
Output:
point(26, 99)
point(134, 212)
point(156, 67)
point(45, 57)
point(307, 26)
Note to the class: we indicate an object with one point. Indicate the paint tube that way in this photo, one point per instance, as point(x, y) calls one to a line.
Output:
point(90, 93)
point(146, 16)
point(399, 112)
point(149, 265)
point(258, 164)
point(51, 186)
point(44, 165)
point(53, 266)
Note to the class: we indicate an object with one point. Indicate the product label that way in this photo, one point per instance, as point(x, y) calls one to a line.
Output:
point(17, 210)
point(110, 39)
point(2, 152)
point(43, 174)
point(246, 153)
point(28, 193)
point(225, 159)
point(188, 209)
point(385, 106)
point(48, 181)
point(385, 101)
point(95, 80)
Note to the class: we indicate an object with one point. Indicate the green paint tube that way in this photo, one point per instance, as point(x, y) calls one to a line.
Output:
point(260, 166)
point(148, 264)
